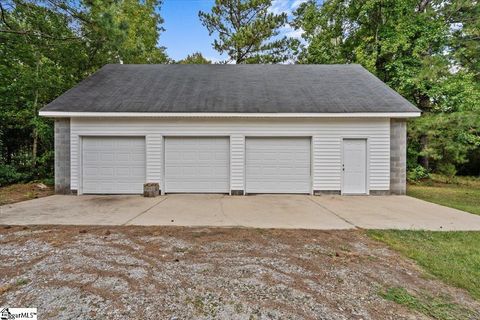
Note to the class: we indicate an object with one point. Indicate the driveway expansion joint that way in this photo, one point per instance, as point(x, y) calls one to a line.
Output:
point(335, 214)
point(222, 210)
point(144, 211)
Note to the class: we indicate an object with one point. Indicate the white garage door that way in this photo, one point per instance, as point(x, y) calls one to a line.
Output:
point(113, 165)
point(197, 164)
point(278, 165)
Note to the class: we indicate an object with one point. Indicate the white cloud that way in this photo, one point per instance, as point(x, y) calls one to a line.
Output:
point(295, 33)
point(285, 6)
point(213, 59)
point(280, 6)
point(290, 32)
point(297, 4)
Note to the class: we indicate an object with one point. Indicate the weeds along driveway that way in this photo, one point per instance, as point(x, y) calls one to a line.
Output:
point(205, 273)
point(260, 211)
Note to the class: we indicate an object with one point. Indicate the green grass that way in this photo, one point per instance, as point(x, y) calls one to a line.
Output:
point(440, 307)
point(453, 257)
point(461, 193)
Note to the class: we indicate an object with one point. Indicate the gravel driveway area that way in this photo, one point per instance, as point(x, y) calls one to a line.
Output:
point(207, 273)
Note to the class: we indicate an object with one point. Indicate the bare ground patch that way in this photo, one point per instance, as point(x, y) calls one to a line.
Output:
point(183, 273)
point(24, 191)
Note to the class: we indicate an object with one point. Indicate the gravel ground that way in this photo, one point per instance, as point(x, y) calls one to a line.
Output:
point(206, 273)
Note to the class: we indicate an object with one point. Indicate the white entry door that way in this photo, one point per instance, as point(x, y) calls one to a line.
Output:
point(113, 165)
point(197, 164)
point(354, 166)
point(278, 165)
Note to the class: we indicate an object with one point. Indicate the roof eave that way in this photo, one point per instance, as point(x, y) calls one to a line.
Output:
point(67, 114)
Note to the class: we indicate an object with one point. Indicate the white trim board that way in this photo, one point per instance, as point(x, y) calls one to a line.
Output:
point(65, 114)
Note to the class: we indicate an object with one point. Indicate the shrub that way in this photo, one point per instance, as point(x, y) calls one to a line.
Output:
point(9, 175)
point(417, 174)
point(448, 170)
point(48, 181)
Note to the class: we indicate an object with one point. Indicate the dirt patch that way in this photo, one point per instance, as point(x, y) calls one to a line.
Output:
point(207, 273)
point(24, 191)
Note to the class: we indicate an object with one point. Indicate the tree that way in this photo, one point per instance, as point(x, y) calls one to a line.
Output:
point(123, 31)
point(36, 50)
point(400, 41)
point(195, 58)
point(46, 47)
point(247, 31)
point(424, 49)
point(451, 137)
point(463, 17)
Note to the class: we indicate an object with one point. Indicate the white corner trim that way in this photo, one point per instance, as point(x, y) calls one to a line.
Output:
point(65, 114)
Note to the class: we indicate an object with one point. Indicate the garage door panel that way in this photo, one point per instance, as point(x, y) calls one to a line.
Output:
point(124, 156)
point(197, 164)
point(221, 156)
point(106, 156)
point(206, 156)
point(273, 185)
point(113, 165)
point(278, 165)
point(89, 156)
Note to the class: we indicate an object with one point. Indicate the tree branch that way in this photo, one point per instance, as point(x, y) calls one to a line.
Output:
point(2, 11)
point(38, 34)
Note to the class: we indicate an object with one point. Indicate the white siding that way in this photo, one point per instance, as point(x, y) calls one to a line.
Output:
point(75, 164)
point(326, 133)
point(237, 162)
point(154, 158)
point(327, 162)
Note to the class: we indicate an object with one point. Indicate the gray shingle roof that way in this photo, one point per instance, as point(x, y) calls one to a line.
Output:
point(231, 89)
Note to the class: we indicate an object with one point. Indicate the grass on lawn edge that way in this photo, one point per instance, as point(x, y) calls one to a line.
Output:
point(453, 257)
point(462, 193)
point(439, 307)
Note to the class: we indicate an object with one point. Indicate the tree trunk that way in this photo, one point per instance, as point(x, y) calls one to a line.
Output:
point(424, 102)
point(35, 111)
point(424, 159)
point(34, 147)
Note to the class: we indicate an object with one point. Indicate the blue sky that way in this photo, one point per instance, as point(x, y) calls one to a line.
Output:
point(185, 34)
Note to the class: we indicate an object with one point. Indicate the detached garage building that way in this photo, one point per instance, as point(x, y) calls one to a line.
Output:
point(233, 129)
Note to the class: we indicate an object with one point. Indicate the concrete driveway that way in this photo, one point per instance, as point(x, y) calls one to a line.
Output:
point(260, 211)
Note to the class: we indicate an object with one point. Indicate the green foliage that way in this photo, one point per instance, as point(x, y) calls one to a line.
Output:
point(122, 31)
point(417, 173)
point(448, 138)
point(45, 49)
point(451, 256)
point(195, 58)
point(9, 175)
point(457, 92)
point(465, 49)
point(426, 50)
point(441, 307)
point(395, 40)
point(247, 31)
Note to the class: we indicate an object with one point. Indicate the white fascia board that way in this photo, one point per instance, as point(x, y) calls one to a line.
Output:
point(64, 114)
